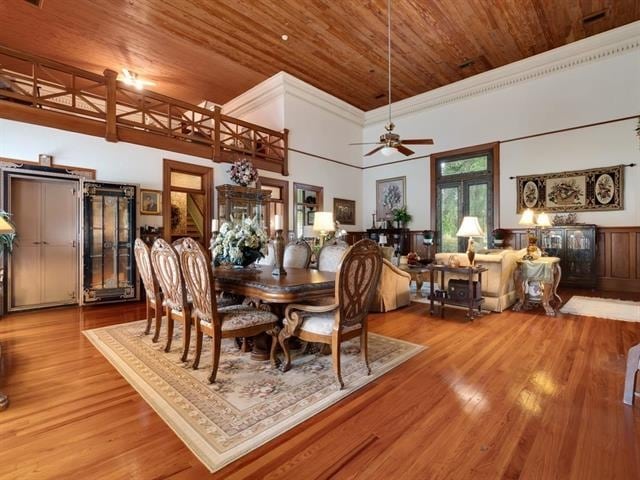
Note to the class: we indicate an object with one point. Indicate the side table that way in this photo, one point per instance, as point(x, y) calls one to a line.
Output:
point(471, 302)
point(547, 272)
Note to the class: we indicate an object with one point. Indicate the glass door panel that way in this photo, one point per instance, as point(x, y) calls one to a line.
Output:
point(478, 201)
point(448, 217)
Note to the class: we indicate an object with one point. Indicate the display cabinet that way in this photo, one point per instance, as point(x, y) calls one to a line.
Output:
point(109, 226)
point(240, 202)
point(391, 237)
point(575, 245)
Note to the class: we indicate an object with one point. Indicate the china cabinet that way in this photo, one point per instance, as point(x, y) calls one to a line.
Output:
point(576, 247)
point(240, 202)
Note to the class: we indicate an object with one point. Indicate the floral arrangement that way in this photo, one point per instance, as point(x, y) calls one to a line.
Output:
point(239, 243)
point(243, 172)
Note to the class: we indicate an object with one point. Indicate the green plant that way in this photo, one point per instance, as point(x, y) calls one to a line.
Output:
point(7, 239)
point(401, 215)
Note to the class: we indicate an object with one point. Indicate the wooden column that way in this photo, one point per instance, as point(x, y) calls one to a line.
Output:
point(285, 153)
point(111, 133)
point(216, 134)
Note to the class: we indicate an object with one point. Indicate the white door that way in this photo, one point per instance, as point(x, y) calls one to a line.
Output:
point(44, 262)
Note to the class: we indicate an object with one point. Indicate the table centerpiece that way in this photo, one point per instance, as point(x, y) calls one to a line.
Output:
point(239, 244)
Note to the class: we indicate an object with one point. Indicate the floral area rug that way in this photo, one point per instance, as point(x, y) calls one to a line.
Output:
point(251, 402)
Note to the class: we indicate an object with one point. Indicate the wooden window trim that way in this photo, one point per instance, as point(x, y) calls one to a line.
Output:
point(283, 185)
point(305, 186)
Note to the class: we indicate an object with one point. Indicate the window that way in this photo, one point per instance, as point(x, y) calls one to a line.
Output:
point(464, 183)
point(278, 203)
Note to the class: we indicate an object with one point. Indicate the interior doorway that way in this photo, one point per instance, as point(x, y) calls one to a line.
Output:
point(43, 267)
point(187, 201)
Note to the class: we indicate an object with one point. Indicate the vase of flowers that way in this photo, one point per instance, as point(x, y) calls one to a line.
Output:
point(243, 172)
point(239, 243)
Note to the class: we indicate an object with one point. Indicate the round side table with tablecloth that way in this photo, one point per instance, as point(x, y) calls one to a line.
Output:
point(536, 283)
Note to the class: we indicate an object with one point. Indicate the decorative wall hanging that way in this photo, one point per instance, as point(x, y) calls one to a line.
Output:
point(576, 191)
point(344, 211)
point(150, 202)
point(390, 194)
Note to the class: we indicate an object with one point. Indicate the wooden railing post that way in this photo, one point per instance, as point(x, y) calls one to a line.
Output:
point(111, 134)
point(285, 153)
point(217, 148)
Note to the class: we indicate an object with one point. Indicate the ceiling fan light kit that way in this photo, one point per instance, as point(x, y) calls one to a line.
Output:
point(390, 142)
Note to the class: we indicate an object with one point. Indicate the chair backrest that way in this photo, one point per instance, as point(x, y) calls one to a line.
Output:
point(330, 256)
point(356, 281)
point(167, 267)
point(177, 245)
point(145, 269)
point(297, 254)
point(270, 259)
point(198, 279)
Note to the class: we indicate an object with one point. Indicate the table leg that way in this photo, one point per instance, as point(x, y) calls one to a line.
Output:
point(519, 284)
point(442, 298)
point(470, 296)
point(557, 275)
point(419, 283)
point(547, 293)
point(431, 294)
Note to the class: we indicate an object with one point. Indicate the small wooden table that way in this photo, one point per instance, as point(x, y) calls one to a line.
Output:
point(416, 272)
point(471, 302)
point(546, 271)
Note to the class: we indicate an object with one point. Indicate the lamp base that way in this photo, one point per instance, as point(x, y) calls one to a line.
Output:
point(471, 252)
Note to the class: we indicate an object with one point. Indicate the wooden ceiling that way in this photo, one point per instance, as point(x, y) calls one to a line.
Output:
point(217, 49)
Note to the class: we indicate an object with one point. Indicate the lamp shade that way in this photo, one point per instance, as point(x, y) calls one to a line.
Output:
point(323, 222)
point(388, 151)
point(5, 227)
point(527, 218)
point(470, 228)
point(543, 220)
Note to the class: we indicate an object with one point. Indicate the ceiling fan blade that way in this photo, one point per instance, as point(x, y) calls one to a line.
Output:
point(402, 149)
point(375, 150)
point(418, 141)
point(366, 143)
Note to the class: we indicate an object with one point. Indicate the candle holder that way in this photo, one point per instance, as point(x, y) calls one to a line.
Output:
point(278, 250)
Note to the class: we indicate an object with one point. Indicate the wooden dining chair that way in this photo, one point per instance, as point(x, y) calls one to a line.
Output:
point(218, 323)
point(166, 264)
point(330, 255)
point(151, 287)
point(356, 280)
point(297, 254)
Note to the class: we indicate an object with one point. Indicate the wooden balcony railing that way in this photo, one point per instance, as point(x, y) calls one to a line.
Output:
point(37, 90)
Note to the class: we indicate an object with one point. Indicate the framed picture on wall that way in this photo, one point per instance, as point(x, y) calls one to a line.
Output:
point(390, 194)
point(150, 202)
point(344, 211)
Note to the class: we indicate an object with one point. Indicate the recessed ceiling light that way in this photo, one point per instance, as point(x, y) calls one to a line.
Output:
point(284, 37)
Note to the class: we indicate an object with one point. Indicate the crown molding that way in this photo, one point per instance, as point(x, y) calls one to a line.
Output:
point(618, 41)
point(282, 84)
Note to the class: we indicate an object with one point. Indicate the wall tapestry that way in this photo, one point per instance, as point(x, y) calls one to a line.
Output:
point(390, 194)
point(576, 191)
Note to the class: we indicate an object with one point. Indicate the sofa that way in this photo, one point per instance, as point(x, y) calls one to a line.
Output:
point(393, 288)
point(498, 288)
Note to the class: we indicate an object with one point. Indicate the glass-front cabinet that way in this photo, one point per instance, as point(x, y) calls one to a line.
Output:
point(109, 232)
point(236, 202)
point(575, 245)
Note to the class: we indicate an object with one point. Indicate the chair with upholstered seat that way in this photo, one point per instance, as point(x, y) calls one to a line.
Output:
point(270, 258)
point(151, 287)
point(218, 323)
point(356, 279)
point(331, 254)
point(166, 265)
point(631, 377)
point(297, 254)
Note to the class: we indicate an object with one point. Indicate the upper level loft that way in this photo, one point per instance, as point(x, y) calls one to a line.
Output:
point(44, 92)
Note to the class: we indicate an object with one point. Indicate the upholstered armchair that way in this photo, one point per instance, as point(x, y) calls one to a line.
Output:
point(393, 290)
point(356, 278)
point(270, 258)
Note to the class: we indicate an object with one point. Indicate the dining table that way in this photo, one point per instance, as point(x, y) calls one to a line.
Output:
point(257, 284)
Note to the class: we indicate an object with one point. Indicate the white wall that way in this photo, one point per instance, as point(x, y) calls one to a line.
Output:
point(582, 89)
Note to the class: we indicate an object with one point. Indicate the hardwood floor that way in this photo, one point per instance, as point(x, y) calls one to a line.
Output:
point(512, 395)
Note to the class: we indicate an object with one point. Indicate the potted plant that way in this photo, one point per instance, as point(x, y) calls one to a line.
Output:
point(401, 216)
point(499, 236)
point(7, 239)
point(427, 237)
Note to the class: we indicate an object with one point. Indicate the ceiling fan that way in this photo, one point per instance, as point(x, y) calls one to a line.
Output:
point(391, 142)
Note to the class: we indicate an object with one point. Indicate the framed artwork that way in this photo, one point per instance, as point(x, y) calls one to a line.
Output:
point(311, 216)
point(390, 194)
point(344, 211)
point(576, 191)
point(150, 202)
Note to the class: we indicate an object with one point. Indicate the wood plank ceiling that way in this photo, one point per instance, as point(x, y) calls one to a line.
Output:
point(217, 49)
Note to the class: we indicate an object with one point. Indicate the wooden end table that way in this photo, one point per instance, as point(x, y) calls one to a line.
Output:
point(546, 271)
point(417, 275)
point(472, 302)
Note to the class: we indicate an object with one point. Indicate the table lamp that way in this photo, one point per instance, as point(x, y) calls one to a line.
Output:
point(543, 222)
point(527, 220)
point(470, 228)
point(323, 223)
